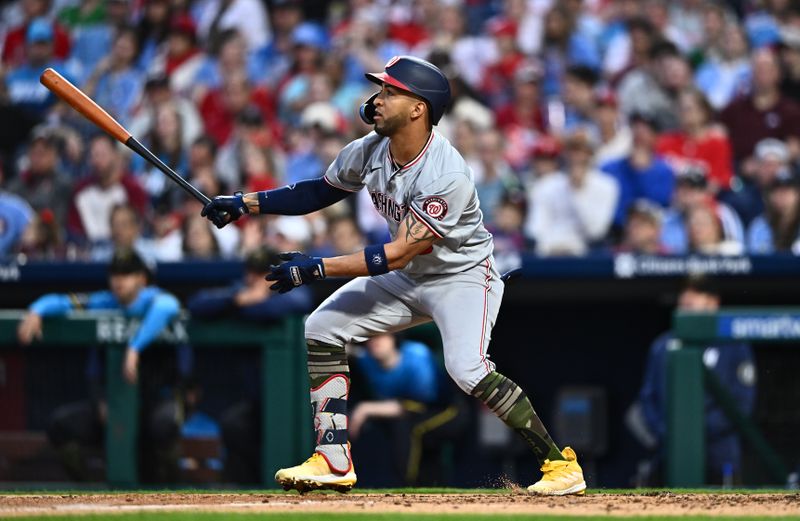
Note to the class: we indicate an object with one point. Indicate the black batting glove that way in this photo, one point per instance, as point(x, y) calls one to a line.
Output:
point(225, 208)
point(298, 269)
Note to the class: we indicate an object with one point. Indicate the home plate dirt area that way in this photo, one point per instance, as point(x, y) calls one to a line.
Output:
point(513, 502)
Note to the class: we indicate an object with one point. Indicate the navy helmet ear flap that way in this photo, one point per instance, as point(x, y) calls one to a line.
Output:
point(367, 110)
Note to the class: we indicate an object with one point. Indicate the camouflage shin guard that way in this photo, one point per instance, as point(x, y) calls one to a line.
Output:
point(510, 404)
point(330, 384)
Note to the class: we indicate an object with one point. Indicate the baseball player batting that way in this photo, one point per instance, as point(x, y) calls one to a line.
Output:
point(438, 267)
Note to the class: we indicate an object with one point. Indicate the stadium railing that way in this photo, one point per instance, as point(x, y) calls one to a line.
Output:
point(688, 379)
point(284, 389)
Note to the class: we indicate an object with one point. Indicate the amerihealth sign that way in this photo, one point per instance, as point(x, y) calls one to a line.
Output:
point(758, 326)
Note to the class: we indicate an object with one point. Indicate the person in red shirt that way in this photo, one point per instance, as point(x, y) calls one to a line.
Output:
point(525, 108)
point(14, 46)
point(220, 107)
point(499, 75)
point(699, 140)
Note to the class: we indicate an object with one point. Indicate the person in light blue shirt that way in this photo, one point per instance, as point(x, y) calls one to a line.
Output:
point(22, 83)
point(76, 426)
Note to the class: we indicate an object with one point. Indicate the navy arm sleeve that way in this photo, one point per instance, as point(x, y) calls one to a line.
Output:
point(300, 198)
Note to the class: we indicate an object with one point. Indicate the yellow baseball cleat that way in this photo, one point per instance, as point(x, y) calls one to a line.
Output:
point(315, 474)
point(561, 478)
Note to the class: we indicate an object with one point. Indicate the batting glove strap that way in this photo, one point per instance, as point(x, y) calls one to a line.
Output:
point(375, 257)
point(332, 437)
point(335, 406)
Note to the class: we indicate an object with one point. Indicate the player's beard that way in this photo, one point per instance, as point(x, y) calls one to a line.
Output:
point(389, 126)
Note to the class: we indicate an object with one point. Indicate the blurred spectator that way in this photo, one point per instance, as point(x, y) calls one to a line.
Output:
point(221, 108)
point(770, 156)
point(304, 159)
point(126, 234)
point(250, 298)
point(524, 109)
point(152, 30)
point(250, 128)
point(258, 167)
point(181, 57)
point(92, 24)
point(22, 81)
point(613, 132)
point(732, 364)
point(165, 140)
point(545, 159)
point(705, 234)
point(628, 39)
point(247, 299)
point(763, 23)
point(17, 41)
point(698, 141)
point(42, 239)
point(579, 97)
point(493, 175)
point(272, 60)
point(507, 231)
point(778, 228)
point(42, 183)
point(716, 20)
point(199, 242)
point(227, 57)
point(158, 93)
point(363, 38)
point(248, 17)
point(790, 59)
point(653, 87)
point(643, 174)
point(289, 233)
point(497, 75)
point(564, 44)
point(115, 83)
point(685, 23)
point(303, 83)
point(410, 397)
point(643, 229)
point(766, 112)
point(344, 237)
point(77, 426)
point(15, 216)
point(107, 185)
point(692, 191)
point(573, 211)
point(725, 76)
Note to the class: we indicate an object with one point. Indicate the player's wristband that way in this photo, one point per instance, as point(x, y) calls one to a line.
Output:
point(375, 256)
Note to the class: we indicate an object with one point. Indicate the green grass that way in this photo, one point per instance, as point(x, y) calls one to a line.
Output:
point(316, 516)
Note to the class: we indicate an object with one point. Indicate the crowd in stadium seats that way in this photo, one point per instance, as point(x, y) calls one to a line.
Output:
point(591, 126)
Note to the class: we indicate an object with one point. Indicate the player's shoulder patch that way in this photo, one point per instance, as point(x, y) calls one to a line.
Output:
point(435, 206)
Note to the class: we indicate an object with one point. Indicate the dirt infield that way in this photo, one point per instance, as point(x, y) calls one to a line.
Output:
point(515, 502)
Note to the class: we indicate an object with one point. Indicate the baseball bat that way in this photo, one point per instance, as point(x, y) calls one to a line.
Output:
point(79, 101)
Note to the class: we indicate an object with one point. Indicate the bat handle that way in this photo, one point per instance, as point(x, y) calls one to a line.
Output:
point(151, 158)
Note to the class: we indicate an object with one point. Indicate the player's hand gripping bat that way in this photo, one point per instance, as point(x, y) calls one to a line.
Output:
point(79, 101)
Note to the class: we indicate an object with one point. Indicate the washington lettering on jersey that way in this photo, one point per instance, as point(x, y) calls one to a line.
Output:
point(387, 206)
point(437, 187)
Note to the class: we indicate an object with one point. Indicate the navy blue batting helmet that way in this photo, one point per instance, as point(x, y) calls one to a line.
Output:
point(413, 75)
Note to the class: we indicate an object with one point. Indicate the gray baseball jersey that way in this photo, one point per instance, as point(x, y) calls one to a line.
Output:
point(437, 186)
